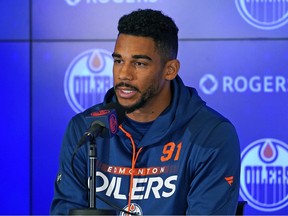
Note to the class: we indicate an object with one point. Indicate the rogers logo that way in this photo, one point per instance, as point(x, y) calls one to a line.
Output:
point(76, 2)
point(72, 2)
point(209, 84)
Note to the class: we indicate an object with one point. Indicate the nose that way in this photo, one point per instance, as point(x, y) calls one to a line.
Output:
point(124, 72)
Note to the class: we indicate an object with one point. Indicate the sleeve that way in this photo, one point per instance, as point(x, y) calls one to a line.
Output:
point(69, 192)
point(216, 175)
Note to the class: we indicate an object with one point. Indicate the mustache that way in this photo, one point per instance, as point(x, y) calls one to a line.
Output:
point(122, 84)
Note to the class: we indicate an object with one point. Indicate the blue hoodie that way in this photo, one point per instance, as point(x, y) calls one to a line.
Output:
point(188, 162)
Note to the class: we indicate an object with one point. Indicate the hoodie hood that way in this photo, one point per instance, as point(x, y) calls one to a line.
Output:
point(184, 105)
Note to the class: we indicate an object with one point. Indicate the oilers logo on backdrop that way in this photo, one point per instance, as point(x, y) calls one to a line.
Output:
point(264, 174)
point(264, 14)
point(134, 209)
point(88, 78)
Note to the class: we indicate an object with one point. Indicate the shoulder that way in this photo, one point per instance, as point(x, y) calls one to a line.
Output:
point(208, 118)
point(212, 129)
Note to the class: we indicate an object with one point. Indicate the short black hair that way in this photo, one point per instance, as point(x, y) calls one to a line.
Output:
point(152, 23)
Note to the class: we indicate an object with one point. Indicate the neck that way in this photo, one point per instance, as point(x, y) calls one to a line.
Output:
point(151, 110)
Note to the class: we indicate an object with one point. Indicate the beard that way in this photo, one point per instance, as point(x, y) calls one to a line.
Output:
point(146, 96)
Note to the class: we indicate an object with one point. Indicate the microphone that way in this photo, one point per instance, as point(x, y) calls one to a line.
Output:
point(104, 122)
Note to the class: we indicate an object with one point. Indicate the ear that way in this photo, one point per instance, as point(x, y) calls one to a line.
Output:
point(171, 69)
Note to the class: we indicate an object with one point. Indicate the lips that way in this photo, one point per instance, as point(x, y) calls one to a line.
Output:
point(126, 92)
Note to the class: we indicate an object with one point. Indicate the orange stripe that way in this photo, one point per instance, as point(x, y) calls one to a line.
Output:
point(134, 158)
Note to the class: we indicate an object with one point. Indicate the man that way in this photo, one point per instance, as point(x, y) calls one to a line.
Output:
point(172, 155)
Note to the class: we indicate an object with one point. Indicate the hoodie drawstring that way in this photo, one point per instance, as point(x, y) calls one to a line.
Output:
point(133, 163)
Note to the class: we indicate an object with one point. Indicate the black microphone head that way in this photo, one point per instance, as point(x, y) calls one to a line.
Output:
point(109, 117)
point(120, 111)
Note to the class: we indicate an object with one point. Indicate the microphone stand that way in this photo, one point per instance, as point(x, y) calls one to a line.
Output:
point(92, 189)
point(92, 178)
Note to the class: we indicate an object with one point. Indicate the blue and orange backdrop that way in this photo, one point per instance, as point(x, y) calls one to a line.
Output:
point(55, 61)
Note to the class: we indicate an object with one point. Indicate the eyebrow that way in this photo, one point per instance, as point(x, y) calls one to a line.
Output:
point(116, 55)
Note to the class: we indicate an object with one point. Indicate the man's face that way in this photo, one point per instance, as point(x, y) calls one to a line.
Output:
point(138, 72)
